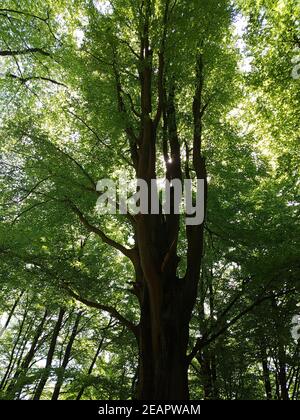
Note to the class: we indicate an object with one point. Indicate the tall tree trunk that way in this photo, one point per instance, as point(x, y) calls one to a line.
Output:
point(12, 356)
point(66, 358)
point(11, 312)
point(296, 385)
point(23, 368)
point(266, 374)
point(163, 371)
point(82, 389)
point(204, 360)
point(18, 357)
point(41, 384)
point(282, 377)
point(282, 369)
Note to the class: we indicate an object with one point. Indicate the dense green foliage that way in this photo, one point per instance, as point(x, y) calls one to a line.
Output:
point(69, 111)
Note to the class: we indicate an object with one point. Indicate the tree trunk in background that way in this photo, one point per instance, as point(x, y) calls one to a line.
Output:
point(23, 368)
point(282, 377)
point(282, 373)
point(206, 374)
point(19, 355)
point(82, 389)
point(296, 385)
point(12, 357)
point(67, 355)
point(206, 357)
point(266, 374)
point(10, 315)
point(214, 376)
point(40, 387)
point(277, 387)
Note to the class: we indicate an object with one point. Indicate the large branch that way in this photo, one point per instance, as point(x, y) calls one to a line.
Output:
point(198, 123)
point(23, 52)
point(111, 310)
point(125, 251)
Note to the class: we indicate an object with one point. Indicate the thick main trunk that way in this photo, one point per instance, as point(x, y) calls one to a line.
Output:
point(166, 301)
point(163, 371)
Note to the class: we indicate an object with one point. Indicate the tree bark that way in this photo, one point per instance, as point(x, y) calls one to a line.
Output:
point(66, 358)
point(23, 368)
point(282, 369)
point(166, 301)
point(282, 377)
point(11, 313)
point(41, 384)
point(12, 356)
point(82, 389)
point(266, 375)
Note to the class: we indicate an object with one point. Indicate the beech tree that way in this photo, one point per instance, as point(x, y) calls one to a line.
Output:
point(155, 89)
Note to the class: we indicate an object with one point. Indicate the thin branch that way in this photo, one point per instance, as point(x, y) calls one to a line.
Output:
point(161, 66)
point(125, 251)
point(123, 41)
point(136, 113)
point(45, 20)
point(29, 192)
point(28, 209)
point(111, 310)
point(206, 339)
point(82, 169)
point(133, 140)
point(20, 12)
point(71, 158)
point(29, 78)
point(94, 132)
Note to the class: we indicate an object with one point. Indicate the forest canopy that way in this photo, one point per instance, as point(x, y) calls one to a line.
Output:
point(144, 306)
